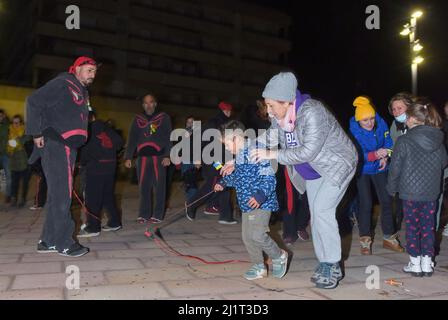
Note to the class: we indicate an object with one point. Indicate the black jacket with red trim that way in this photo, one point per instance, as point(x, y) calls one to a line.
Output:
point(149, 136)
point(99, 155)
point(59, 107)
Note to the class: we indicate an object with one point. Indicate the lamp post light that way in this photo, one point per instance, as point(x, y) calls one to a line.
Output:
point(410, 29)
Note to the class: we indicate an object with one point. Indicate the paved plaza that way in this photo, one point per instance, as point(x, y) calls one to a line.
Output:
point(126, 265)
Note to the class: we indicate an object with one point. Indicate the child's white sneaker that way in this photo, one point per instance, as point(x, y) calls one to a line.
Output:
point(445, 231)
point(427, 266)
point(414, 267)
point(257, 271)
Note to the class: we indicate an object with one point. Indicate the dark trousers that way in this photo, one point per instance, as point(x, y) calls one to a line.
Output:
point(420, 226)
point(365, 204)
point(151, 178)
point(41, 191)
point(398, 212)
point(99, 193)
point(17, 178)
point(220, 199)
point(58, 164)
point(295, 209)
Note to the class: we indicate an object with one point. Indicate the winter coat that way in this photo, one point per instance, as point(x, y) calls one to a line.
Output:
point(370, 141)
point(418, 160)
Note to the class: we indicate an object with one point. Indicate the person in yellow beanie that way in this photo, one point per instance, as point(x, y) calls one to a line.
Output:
point(374, 142)
point(364, 109)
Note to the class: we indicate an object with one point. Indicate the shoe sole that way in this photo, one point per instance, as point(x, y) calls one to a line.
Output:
point(90, 235)
point(252, 279)
point(73, 256)
point(46, 251)
point(427, 274)
point(415, 274)
point(286, 268)
point(327, 287)
point(227, 223)
point(211, 213)
point(112, 229)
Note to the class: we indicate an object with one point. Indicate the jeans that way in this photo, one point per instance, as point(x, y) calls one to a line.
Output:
point(365, 204)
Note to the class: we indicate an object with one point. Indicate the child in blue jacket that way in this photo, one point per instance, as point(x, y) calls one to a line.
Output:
point(374, 144)
point(255, 188)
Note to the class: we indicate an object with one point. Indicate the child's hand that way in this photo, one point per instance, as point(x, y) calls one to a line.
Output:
point(253, 203)
point(382, 153)
point(218, 188)
point(383, 164)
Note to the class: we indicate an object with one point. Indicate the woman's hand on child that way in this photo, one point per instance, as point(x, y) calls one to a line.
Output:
point(228, 168)
point(253, 203)
point(258, 155)
point(218, 188)
point(382, 153)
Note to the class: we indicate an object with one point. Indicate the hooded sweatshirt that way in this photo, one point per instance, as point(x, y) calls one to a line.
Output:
point(99, 155)
point(59, 111)
point(418, 160)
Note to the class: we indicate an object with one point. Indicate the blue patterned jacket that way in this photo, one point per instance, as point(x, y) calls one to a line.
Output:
point(252, 179)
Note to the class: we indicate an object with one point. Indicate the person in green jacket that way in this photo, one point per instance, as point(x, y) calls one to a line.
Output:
point(4, 159)
point(18, 160)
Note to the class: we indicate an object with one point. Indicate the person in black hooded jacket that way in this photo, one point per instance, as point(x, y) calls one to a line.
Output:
point(57, 118)
point(418, 160)
point(211, 174)
point(99, 157)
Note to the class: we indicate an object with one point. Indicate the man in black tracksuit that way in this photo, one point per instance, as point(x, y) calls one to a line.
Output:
point(57, 118)
point(212, 175)
point(99, 157)
point(149, 137)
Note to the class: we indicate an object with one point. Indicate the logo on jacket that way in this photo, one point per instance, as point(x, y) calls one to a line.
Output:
point(106, 142)
point(76, 96)
point(291, 140)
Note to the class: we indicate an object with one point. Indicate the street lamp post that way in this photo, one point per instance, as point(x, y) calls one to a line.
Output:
point(410, 30)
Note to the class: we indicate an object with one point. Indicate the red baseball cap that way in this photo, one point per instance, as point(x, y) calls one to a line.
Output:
point(224, 106)
point(81, 61)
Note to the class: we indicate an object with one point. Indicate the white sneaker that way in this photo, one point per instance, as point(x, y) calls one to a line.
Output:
point(445, 231)
point(427, 266)
point(414, 267)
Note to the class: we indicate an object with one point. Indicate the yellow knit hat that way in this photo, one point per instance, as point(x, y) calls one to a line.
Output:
point(364, 108)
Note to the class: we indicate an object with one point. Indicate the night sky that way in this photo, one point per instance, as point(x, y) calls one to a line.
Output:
point(336, 58)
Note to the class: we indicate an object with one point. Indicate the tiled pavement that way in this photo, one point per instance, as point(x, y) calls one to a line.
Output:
point(126, 265)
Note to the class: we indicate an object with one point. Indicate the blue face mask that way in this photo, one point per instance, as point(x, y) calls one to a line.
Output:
point(401, 118)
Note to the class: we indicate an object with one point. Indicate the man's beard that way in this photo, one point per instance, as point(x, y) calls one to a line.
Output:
point(87, 82)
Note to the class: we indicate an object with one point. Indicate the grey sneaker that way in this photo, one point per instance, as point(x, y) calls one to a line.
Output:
point(317, 272)
point(233, 221)
point(280, 265)
point(330, 277)
point(257, 271)
point(84, 233)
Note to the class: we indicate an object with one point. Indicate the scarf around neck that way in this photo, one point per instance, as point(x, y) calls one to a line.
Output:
point(289, 121)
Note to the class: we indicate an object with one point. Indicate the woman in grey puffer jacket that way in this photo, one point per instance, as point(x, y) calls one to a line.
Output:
point(321, 160)
point(418, 160)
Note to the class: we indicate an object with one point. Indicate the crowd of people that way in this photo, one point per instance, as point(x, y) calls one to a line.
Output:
point(318, 160)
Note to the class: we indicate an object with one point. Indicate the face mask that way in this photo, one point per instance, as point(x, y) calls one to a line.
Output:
point(402, 118)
